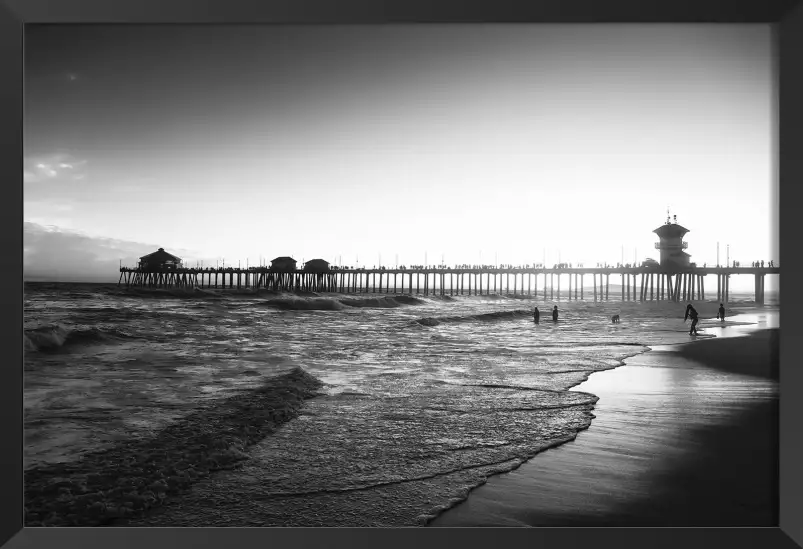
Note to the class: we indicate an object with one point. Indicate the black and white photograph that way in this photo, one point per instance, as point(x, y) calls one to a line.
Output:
point(401, 275)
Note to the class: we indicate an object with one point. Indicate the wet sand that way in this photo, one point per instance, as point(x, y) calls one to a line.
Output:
point(683, 436)
point(755, 354)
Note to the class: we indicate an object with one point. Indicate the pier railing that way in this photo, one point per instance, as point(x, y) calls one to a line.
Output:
point(637, 283)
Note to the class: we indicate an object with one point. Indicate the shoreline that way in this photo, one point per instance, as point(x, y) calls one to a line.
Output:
point(683, 435)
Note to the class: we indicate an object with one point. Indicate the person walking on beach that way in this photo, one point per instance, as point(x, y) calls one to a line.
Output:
point(555, 314)
point(691, 312)
point(721, 313)
point(536, 315)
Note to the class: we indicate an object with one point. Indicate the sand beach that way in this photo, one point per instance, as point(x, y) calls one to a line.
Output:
point(684, 435)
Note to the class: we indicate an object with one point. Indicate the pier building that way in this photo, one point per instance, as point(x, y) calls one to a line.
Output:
point(316, 266)
point(283, 264)
point(159, 260)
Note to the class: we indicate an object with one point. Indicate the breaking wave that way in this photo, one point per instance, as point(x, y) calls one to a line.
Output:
point(316, 303)
point(298, 304)
point(374, 302)
point(483, 317)
point(51, 338)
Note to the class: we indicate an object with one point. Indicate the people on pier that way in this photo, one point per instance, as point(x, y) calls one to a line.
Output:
point(691, 312)
point(721, 312)
point(555, 314)
point(536, 315)
point(762, 263)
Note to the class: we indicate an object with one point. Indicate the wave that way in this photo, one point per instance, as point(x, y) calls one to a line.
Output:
point(310, 301)
point(436, 297)
point(428, 321)
point(574, 344)
point(485, 297)
point(194, 292)
point(373, 302)
point(410, 300)
point(298, 304)
point(482, 317)
point(51, 338)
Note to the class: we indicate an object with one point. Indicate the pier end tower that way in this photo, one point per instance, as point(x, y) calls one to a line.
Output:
point(671, 245)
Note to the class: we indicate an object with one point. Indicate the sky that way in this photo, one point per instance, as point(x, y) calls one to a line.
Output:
point(368, 145)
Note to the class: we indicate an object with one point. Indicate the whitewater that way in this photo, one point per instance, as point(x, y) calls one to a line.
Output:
point(322, 409)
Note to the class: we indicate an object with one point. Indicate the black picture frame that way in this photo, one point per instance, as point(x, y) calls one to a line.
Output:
point(786, 16)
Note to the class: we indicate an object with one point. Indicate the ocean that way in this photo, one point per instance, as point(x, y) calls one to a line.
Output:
point(322, 409)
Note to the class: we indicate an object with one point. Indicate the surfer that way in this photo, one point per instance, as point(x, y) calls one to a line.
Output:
point(536, 315)
point(555, 314)
point(691, 312)
point(721, 313)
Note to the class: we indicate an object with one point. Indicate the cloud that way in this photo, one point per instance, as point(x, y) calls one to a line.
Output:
point(56, 254)
point(50, 167)
point(52, 253)
point(50, 211)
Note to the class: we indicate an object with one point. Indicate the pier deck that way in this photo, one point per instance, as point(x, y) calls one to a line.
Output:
point(637, 283)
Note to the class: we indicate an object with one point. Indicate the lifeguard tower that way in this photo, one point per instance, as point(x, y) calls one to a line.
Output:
point(671, 245)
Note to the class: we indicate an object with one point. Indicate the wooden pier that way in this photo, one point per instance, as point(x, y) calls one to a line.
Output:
point(637, 283)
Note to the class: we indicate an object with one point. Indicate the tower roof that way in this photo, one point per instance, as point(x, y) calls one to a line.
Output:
point(670, 230)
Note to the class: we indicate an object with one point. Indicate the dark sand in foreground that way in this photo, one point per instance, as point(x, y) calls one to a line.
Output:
point(683, 436)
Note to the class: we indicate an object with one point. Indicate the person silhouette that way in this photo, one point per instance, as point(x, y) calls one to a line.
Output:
point(721, 313)
point(691, 312)
point(555, 314)
point(536, 315)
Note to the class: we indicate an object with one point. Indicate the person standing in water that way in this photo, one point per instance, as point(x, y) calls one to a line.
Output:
point(721, 314)
point(691, 312)
point(555, 314)
point(536, 315)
